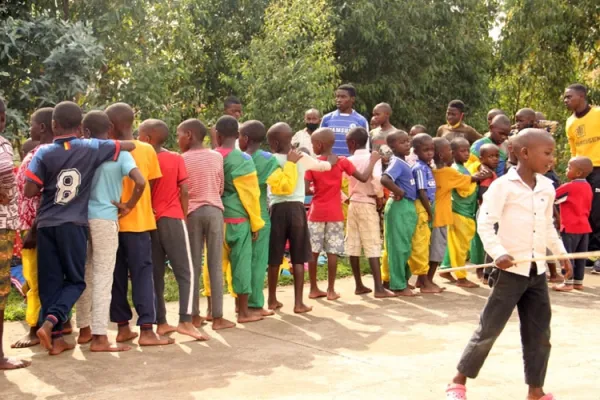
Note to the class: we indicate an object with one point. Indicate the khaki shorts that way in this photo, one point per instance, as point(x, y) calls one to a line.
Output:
point(363, 230)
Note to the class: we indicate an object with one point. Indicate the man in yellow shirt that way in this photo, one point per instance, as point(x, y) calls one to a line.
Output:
point(583, 132)
point(134, 257)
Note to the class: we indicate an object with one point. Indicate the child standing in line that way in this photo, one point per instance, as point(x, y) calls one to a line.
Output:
point(325, 218)
point(426, 188)
point(575, 201)
point(363, 230)
point(65, 170)
point(446, 179)
point(170, 239)
point(499, 131)
point(400, 217)
point(412, 158)
point(204, 216)
point(241, 199)
point(103, 209)
point(521, 203)
point(281, 181)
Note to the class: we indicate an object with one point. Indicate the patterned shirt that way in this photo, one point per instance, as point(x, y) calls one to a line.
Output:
point(27, 206)
point(205, 178)
point(8, 213)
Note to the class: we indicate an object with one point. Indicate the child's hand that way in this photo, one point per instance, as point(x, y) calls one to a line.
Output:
point(567, 268)
point(332, 159)
point(380, 203)
point(429, 218)
point(504, 262)
point(124, 209)
point(294, 156)
point(375, 156)
point(484, 173)
point(254, 236)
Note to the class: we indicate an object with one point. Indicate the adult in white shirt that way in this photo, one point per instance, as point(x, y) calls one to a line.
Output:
point(302, 139)
point(521, 203)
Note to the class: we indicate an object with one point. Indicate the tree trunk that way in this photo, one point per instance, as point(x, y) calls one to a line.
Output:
point(65, 6)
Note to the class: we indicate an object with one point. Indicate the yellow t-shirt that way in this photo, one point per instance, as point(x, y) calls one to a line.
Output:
point(584, 135)
point(446, 179)
point(141, 218)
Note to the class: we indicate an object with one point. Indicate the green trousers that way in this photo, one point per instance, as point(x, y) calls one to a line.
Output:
point(238, 247)
point(400, 222)
point(260, 259)
point(476, 253)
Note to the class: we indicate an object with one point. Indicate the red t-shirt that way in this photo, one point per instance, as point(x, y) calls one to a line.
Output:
point(165, 191)
point(326, 204)
point(575, 201)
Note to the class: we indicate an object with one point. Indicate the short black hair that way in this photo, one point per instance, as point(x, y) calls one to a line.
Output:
point(578, 87)
point(348, 88)
point(195, 126)
point(420, 139)
point(458, 142)
point(458, 104)
point(229, 101)
point(359, 135)
point(67, 115)
point(2, 105)
point(43, 116)
point(97, 122)
point(255, 130)
point(227, 126)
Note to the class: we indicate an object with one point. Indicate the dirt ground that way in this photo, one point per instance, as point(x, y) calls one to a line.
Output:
point(357, 347)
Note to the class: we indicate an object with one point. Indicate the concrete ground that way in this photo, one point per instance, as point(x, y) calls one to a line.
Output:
point(357, 347)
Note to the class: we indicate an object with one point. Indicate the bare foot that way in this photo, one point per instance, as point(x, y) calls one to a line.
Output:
point(563, 287)
point(428, 288)
point(7, 363)
point(187, 328)
point(244, 319)
point(555, 279)
point(198, 321)
point(332, 295)
point(100, 343)
point(386, 285)
point(45, 335)
point(125, 334)
point(413, 287)
point(222, 323)
point(85, 335)
point(385, 293)
point(465, 283)
point(262, 312)
point(447, 276)
point(209, 317)
point(165, 329)
point(362, 290)
point(28, 340)
point(59, 345)
point(406, 293)
point(149, 338)
point(578, 287)
point(274, 305)
point(301, 309)
point(316, 293)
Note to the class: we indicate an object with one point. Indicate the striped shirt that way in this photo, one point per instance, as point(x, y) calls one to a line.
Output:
point(8, 213)
point(205, 178)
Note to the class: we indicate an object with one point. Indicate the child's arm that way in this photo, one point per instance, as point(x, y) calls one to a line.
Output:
point(126, 145)
point(422, 194)
point(184, 197)
point(389, 184)
point(311, 164)
point(35, 176)
point(140, 184)
point(366, 174)
point(249, 192)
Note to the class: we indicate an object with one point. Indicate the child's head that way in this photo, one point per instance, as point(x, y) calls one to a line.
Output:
point(534, 149)
point(2, 115)
point(312, 119)
point(423, 145)
point(512, 156)
point(525, 118)
point(443, 152)
point(489, 155)
point(461, 150)
point(66, 119)
point(279, 137)
point(579, 168)
point(493, 113)
point(27, 146)
point(399, 142)
point(500, 129)
point(322, 141)
point(153, 131)
point(416, 129)
point(121, 117)
point(357, 139)
point(575, 97)
point(96, 125)
point(227, 128)
point(41, 124)
point(233, 107)
point(382, 113)
point(251, 133)
point(455, 113)
point(345, 96)
point(189, 133)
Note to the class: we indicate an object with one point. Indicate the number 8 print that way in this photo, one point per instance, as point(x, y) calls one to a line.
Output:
point(67, 184)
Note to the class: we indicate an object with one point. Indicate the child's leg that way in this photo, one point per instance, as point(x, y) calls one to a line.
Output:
point(120, 310)
point(280, 233)
point(317, 242)
point(353, 246)
point(299, 238)
point(260, 258)
point(579, 265)
point(214, 226)
point(400, 224)
point(84, 304)
point(419, 258)
point(32, 313)
point(439, 242)
point(334, 245)
point(460, 234)
point(159, 259)
point(197, 239)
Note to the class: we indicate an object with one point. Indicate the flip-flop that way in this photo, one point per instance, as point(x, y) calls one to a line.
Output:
point(548, 396)
point(458, 392)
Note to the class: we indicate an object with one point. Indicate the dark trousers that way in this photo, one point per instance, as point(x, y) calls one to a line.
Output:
point(594, 181)
point(170, 240)
point(530, 296)
point(62, 251)
point(134, 258)
point(576, 243)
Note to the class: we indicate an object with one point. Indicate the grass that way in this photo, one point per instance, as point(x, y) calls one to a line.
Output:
point(15, 309)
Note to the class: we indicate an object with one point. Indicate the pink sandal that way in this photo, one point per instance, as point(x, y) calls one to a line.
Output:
point(459, 392)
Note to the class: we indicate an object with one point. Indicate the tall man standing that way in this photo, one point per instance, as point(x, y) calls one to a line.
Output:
point(344, 118)
point(583, 132)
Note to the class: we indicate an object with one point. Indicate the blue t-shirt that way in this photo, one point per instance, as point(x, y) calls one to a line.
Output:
point(424, 179)
point(341, 124)
point(402, 175)
point(65, 170)
point(107, 186)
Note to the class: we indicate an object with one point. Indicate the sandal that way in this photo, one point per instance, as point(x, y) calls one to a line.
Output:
point(459, 392)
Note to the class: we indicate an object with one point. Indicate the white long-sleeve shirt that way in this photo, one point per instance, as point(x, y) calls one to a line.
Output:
point(524, 217)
